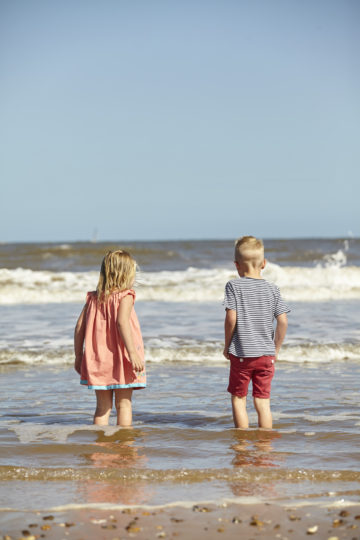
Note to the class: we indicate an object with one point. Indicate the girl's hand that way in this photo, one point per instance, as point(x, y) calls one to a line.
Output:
point(77, 364)
point(136, 361)
point(123, 324)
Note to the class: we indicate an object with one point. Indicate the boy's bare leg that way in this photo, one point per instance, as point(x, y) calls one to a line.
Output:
point(262, 407)
point(239, 412)
point(104, 400)
point(123, 406)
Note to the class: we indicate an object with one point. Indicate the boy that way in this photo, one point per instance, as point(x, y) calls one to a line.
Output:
point(251, 305)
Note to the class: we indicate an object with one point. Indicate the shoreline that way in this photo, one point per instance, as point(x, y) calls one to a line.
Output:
point(339, 520)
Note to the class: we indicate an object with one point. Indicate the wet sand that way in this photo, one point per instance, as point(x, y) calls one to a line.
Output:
point(245, 521)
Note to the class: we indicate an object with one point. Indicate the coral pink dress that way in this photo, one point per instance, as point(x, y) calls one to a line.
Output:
point(106, 364)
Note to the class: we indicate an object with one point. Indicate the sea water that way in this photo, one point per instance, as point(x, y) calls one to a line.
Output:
point(183, 445)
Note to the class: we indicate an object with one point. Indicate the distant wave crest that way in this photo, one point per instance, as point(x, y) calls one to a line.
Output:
point(319, 283)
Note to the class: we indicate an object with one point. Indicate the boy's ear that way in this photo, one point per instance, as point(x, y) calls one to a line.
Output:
point(263, 264)
point(237, 266)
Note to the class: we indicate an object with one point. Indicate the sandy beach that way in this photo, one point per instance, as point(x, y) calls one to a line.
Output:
point(198, 521)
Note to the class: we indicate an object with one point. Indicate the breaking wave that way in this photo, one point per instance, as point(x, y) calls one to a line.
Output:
point(304, 284)
point(176, 350)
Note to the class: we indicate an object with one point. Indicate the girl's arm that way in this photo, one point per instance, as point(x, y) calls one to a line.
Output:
point(79, 336)
point(230, 324)
point(280, 332)
point(123, 324)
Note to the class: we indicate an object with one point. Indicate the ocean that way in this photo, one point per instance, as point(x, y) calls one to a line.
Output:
point(182, 446)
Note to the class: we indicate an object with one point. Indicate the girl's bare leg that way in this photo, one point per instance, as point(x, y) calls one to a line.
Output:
point(262, 407)
point(239, 412)
point(104, 400)
point(123, 406)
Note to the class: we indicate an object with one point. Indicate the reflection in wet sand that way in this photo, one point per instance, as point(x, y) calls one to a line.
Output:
point(119, 450)
point(253, 448)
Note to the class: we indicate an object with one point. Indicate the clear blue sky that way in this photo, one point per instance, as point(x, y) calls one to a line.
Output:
point(179, 119)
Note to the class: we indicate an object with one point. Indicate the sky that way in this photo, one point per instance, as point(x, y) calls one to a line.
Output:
point(150, 120)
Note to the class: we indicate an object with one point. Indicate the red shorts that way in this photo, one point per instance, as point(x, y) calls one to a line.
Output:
point(260, 370)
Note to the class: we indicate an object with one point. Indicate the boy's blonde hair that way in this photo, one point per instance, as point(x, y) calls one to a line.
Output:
point(117, 273)
point(249, 249)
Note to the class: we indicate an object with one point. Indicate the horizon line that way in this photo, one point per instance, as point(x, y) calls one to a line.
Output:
point(163, 240)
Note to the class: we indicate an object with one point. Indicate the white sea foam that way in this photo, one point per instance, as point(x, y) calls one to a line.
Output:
point(219, 502)
point(319, 419)
point(175, 350)
point(36, 357)
point(320, 283)
point(33, 433)
point(240, 501)
point(320, 353)
point(24, 286)
point(111, 507)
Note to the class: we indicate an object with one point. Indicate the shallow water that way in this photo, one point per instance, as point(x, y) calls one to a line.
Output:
point(185, 441)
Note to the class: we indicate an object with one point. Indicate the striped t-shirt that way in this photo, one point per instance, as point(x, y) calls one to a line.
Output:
point(257, 302)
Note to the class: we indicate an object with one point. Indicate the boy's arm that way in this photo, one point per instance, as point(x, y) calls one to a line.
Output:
point(280, 332)
point(123, 324)
point(79, 336)
point(230, 324)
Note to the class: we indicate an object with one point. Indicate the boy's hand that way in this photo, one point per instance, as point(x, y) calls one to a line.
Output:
point(229, 327)
point(137, 363)
point(280, 332)
point(77, 364)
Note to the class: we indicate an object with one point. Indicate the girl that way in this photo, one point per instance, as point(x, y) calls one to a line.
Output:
point(113, 359)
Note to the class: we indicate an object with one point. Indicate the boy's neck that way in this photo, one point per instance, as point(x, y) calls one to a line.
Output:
point(254, 274)
point(250, 270)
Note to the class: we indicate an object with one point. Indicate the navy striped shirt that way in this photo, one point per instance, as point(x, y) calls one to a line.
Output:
point(257, 303)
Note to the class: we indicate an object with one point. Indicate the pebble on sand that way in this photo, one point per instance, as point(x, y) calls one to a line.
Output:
point(312, 530)
point(294, 518)
point(132, 527)
point(255, 522)
point(344, 513)
point(198, 508)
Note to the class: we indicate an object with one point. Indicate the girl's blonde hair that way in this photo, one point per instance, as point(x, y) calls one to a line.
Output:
point(117, 273)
